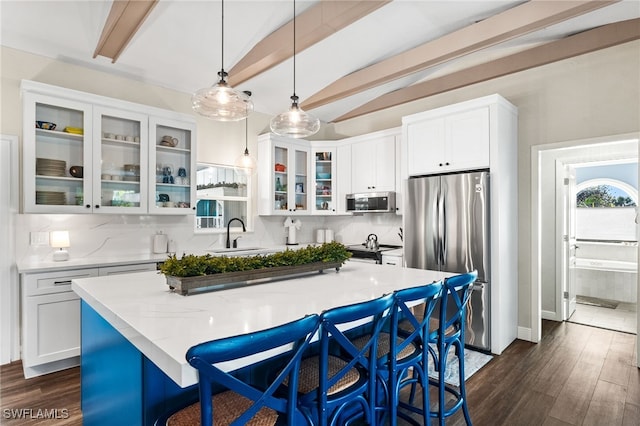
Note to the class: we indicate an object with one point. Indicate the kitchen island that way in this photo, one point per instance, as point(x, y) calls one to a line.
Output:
point(135, 331)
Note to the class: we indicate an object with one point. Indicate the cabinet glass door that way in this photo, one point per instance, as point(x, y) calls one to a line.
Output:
point(280, 178)
point(324, 162)
point(301, 195)
point(172, 171)
point(120, 163)
point(57, 149)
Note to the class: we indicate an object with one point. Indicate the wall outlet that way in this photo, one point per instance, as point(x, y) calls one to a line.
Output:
point(39, 238)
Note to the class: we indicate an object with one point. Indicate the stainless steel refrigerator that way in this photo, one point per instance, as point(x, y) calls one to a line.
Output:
point(446, 228)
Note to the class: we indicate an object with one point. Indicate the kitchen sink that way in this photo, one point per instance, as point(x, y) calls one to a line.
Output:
point(235, 250)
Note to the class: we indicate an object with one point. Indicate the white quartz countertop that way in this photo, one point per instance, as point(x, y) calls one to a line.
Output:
point(38, 265)
point(163, 325)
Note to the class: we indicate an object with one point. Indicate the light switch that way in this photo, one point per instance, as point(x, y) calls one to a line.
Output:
point(39, 238)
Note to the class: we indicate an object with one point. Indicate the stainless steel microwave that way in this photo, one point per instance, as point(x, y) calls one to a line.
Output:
point(373, 202)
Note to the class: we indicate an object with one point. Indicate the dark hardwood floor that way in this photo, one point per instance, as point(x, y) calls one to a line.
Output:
point(576, 375)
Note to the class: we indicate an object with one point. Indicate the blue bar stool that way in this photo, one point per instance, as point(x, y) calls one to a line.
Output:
point(450, 334)
point(408, 364)
point(338, 385)
point(243, 403)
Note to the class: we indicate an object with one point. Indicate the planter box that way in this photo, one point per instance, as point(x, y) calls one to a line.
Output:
point(227, 280)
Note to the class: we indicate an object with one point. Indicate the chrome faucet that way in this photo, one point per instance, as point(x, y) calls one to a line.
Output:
point(244, 229)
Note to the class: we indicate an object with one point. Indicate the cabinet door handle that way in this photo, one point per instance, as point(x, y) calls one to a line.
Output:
point(67, 282)
point(447, 163)
point(88, 206)
point(441, 164)
point(97, 206)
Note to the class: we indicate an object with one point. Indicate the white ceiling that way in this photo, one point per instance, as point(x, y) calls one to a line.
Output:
point(179, 45)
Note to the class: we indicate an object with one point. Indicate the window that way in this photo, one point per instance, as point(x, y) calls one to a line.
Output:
point(606, 193)
point(222, 194)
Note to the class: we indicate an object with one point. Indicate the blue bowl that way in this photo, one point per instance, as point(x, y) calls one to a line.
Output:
point(323, 175)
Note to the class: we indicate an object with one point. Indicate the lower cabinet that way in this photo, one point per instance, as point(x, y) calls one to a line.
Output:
point(393, 258)
point(51, 317)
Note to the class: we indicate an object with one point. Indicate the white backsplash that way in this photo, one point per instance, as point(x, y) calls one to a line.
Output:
point(99, 236)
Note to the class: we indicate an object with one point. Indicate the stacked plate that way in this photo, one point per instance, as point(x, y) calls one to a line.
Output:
point(51, 198)
point(49, 167)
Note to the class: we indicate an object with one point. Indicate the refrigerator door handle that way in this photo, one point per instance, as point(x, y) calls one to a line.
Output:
point(443, 233)
point(441, 228)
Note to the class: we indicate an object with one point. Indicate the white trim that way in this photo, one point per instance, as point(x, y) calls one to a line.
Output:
point(524, 334)
point(550, 315)
point(535, 283)
point(9, 292)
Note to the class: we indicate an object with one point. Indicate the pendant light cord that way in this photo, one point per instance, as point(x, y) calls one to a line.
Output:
point(294, 47)
point(222, 49)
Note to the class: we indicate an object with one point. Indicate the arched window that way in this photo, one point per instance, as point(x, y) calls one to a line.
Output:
point(603, 192)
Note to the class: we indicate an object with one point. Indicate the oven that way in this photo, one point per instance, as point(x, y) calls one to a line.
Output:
point(359, 253)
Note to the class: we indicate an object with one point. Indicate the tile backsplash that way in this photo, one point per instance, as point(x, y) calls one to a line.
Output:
point(99, 236)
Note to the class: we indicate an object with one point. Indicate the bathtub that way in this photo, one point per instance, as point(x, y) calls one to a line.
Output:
point(607, 270)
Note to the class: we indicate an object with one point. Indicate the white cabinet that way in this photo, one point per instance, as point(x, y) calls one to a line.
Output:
point(172, 179)
point(477, 134)
point(104, 155)
point(373, 162)
point(51, 317)
point(453, 142)
point(325, 179)
point(50, 321)
point(393, 258)
point(284, 183)
point(49, 153)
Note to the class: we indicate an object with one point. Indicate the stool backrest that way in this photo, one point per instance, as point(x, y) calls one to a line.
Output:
point(293, 338)
point(456, 293)
point(414, 308)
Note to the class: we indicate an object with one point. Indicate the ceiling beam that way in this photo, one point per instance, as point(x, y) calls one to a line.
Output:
point(313, 25)
point(517, 21)
point(575, 45)
point(124, 20)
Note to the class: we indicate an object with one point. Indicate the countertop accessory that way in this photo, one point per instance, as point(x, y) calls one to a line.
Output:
point(294, 122)
point(74, 130)
point(169, 141)
point(221, 102)
point(160, 243)
point(291, 230)
point(372, 242)
point(59, 240)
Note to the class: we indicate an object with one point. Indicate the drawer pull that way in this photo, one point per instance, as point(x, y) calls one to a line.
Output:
point(67, 282)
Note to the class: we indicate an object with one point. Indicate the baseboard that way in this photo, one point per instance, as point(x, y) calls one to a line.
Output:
point(549, 315)
point(524, 333)
point(39, 370)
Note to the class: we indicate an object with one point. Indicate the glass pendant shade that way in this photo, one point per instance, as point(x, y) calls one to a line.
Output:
point(245, 164)
point(295, 122)
point(221, 102)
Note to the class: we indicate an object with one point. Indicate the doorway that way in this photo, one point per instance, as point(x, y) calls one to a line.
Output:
point(546, 301)
point(597, 218)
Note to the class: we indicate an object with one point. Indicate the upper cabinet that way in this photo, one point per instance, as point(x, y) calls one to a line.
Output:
point(373, 161)
point(324, 194)
point(172, 180)
point(284, 176)
point(459, 141)
point(85, 153)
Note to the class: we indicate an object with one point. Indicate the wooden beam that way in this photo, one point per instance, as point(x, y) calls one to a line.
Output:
point(575, 45)
point(124, 20)
point(517, 21)
point(313, 25)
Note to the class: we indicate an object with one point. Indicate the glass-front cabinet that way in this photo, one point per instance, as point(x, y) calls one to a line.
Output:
point(284, 168)
point(57, 147)
point(172, 177)
point(324, 177)
point(120, 162)
point(84, 153)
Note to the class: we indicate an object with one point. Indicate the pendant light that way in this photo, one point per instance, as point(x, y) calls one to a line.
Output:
point(295, 122)
point(221, 102)
point(245, 164)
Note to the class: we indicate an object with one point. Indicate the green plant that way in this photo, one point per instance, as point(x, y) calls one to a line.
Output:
point(191, 265)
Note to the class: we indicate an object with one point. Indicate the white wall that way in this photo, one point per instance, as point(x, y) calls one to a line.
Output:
point(587, 96)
